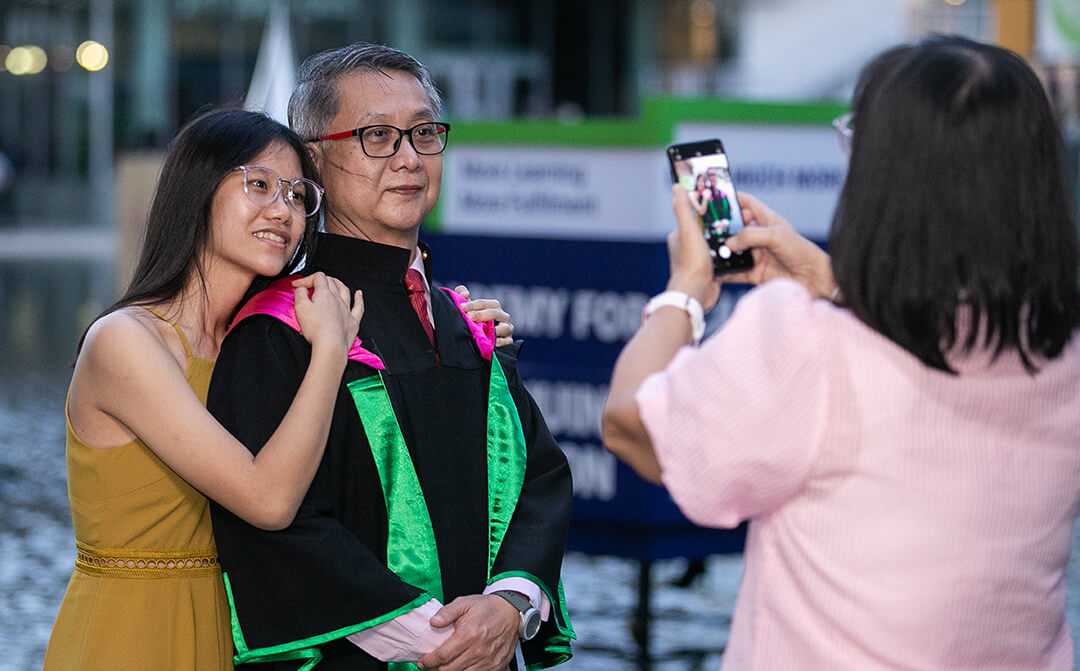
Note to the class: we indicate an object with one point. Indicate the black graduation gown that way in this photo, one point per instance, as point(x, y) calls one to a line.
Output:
point(327, 573)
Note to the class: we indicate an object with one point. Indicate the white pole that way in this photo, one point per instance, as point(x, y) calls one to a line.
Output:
point(275, 66)
point(100, 122)
point(101, 117)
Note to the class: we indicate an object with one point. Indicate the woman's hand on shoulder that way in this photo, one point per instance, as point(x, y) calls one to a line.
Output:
point(779, 251)
point(488, 310)
point(326, 315)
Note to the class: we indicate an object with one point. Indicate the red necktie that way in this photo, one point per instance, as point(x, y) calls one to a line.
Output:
point(414, 284)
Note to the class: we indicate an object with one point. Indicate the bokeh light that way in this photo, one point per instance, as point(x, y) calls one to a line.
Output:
point(61, 58)
point(92, 55)
point(4, 51)
point(703, 14)
point(26, 60)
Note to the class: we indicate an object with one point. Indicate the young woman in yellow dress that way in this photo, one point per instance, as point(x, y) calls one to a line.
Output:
point(236, 202)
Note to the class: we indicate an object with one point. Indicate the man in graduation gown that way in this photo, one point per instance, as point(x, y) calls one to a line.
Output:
point(435, 527)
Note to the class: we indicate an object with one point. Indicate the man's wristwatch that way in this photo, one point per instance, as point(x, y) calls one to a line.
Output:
point(530, 617)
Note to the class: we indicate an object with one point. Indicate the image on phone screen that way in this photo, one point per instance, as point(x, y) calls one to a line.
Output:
point(702, 169)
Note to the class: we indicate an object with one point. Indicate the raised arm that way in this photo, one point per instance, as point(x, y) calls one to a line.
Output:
point(779, 252)
point(127, 372)
point(655, 344)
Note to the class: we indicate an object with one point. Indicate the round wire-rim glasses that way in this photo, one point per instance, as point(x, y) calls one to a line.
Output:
point(383, 140)
point(845, 128)
point(301, 195)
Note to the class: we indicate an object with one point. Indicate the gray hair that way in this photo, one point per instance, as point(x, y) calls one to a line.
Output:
point(315, 100)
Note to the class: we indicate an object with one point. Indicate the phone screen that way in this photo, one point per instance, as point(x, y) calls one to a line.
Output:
point(702, 169)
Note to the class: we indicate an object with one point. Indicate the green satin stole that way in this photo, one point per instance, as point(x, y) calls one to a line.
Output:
point(410, 548)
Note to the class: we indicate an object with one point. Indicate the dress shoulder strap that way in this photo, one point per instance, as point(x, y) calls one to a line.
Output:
point(179, 331)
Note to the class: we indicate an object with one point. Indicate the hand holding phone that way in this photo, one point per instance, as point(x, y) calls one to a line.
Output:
point(702, 169)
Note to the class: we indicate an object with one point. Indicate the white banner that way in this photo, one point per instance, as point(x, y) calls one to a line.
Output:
point(588, 192)
point(615, 193)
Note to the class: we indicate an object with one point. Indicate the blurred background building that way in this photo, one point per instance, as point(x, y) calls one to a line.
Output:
point(492, 60)
point(92, 90)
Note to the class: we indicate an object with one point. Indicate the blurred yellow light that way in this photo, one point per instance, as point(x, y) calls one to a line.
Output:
point(28, 60)
point(703, 14)
point(17, 61)
point(4, 51)
point(92, 55)
point(61, 59)
point(955, 3)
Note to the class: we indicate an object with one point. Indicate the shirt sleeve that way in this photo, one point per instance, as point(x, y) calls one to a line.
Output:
point(736, 423)
point(406, 638)
point(410, 636)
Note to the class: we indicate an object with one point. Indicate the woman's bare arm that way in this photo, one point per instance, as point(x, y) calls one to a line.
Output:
point(127, 372)
point(654, 345)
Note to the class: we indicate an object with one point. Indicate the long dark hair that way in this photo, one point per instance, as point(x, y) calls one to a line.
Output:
point(205, 150)
point(955, 229)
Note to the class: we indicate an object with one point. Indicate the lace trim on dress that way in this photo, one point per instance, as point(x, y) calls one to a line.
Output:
point(148, 564)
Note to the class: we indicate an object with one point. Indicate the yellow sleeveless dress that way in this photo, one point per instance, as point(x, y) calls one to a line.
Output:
point(147, 591)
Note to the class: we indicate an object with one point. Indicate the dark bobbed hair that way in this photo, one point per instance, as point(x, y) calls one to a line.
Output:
point(316, 100)
point(206, 149)
point(954, 229)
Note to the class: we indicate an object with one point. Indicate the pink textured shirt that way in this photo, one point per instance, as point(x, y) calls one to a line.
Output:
point(903, 518)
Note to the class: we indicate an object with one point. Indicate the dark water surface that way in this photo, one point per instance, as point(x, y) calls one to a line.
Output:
point(37, 551)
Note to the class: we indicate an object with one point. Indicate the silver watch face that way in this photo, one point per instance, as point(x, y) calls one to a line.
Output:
point(530, 624)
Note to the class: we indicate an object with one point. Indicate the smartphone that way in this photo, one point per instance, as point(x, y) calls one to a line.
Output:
point(703, 170)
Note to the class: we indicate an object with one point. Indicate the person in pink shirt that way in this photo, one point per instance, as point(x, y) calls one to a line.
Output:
point(906, 440)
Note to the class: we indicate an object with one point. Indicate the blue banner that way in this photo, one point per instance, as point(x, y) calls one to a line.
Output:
point(575, 303)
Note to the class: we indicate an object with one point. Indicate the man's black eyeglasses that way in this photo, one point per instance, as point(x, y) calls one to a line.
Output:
point(382, 141)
